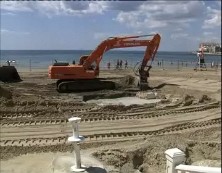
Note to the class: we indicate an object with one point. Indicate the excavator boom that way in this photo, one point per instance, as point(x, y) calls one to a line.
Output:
point(88, 67)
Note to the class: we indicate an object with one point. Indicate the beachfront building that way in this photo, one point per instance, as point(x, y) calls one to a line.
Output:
point(211, 47)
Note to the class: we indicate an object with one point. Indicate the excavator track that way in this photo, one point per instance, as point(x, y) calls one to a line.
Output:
point(121, 136)
point(40, 118)
point(82, 85)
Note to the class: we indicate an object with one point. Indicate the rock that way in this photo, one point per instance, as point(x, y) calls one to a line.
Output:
point(146, 95)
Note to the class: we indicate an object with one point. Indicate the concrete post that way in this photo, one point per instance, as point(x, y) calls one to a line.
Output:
point(76, 139)
point(78, 157)
point(174, 157)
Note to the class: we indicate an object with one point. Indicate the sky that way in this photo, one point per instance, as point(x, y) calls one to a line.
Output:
point(82, 25)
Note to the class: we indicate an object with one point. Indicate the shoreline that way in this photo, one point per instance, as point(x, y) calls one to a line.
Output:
point(168, 67)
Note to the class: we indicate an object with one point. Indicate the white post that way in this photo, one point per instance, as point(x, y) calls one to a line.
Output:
point(77, 153)
point(76, 139)
point(174, 157)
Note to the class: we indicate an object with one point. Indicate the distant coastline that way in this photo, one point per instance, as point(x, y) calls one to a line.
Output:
point(210, 48)
point(209, 53)
point(219, 53)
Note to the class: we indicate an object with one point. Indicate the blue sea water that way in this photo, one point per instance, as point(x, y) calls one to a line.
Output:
point(44, 58)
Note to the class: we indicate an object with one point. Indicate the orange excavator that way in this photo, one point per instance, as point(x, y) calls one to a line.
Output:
point(83, 76)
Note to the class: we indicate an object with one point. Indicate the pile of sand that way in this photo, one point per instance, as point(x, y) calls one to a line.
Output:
point(5, 93)
point(204, 99)
point(148, 157)
point(126, 82)
point(188, 100)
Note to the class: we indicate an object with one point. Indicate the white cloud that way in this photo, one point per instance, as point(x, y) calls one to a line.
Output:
point(135, 14)
point(48, 8)
point(101, 36)
point(139, 32)
point(104, 35)
point(16, 6)
point(6, 31)
point(123, 5)
point(207, 33)
point(179, 35)
point(214, 18)
point(174, 19)
point(51, 8)
point(159, 14)
point(96, 7)
point(178, 29)
point(211, 39)
point(8, 14)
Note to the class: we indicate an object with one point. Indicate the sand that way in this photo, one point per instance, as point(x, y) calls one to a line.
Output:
point(121, 136)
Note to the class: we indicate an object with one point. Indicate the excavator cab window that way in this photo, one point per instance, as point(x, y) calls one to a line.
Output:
point(60, 63)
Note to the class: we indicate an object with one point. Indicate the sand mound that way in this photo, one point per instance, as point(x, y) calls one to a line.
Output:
point(188, 100)
point(5, 93)
point(125, 82)
point(204, 98)
point(148, 157)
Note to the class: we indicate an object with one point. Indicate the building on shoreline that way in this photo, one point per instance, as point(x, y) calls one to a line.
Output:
point(211, 47)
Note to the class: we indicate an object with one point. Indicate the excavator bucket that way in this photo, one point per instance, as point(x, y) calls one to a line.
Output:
point(9, 74)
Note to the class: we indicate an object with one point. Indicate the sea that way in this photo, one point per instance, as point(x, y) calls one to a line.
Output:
point(41, 59)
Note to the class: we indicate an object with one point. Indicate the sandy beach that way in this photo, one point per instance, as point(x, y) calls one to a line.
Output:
point(119, 138)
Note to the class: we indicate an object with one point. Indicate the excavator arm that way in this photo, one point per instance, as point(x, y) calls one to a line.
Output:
point(88, 67)
point(123, 42)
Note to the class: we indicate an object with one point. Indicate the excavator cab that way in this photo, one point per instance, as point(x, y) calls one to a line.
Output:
point(56, 63)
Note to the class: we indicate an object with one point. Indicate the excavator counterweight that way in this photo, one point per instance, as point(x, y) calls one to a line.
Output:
point(83, 76)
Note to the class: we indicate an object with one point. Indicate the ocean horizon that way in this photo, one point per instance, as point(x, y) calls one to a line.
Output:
point(44, 58)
